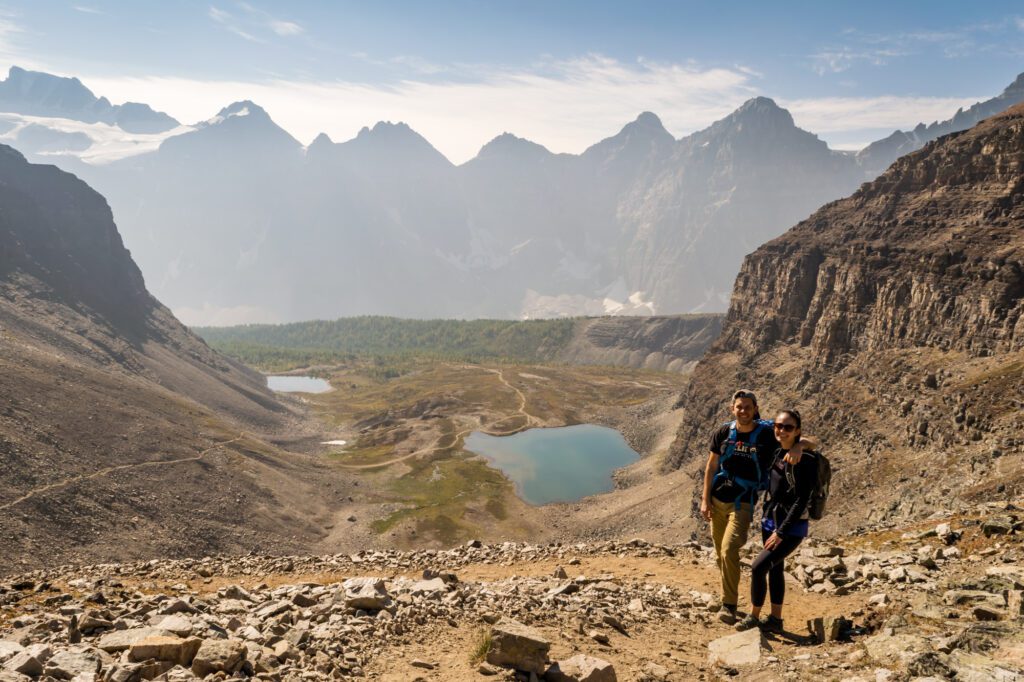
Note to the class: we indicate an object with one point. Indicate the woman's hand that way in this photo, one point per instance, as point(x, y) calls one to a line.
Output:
point(773, 541)
point(705, 509)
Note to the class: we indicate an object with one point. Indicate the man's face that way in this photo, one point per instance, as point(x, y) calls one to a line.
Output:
point(743, 409)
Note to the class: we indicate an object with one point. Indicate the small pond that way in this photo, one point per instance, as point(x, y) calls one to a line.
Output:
point(556, 465)
point(295, 384)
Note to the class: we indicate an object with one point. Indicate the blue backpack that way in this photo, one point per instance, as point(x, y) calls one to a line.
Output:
point(749, 488)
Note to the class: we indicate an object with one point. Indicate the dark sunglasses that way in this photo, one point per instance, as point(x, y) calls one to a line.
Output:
point(785, 427)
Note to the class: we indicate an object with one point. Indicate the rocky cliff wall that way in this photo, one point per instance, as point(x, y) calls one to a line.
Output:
point(895, 318)
point(672, 343)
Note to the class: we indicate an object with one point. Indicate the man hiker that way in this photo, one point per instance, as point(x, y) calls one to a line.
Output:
point(738, 462)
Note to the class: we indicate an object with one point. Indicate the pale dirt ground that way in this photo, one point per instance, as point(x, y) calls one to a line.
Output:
point(678, 645)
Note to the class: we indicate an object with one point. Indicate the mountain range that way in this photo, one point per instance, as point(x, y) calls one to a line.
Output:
point(232, 220)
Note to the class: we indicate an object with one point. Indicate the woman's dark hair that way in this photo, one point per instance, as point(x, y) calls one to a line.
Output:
point(793, 414)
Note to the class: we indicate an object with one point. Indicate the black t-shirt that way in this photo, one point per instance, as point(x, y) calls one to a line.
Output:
point(741, 464)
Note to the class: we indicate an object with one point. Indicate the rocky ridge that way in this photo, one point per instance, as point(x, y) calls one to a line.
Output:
point(122, 434)
point(945, 598)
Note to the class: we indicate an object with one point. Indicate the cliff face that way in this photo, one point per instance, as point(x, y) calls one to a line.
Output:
point(671, 343)
point(895, 317)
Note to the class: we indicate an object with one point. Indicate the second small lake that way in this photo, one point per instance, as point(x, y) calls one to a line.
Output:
point(556, 465)
point(293, 384)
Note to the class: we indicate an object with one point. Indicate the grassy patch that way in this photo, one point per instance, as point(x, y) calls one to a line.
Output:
point(482, 648)
point(373, 454)
point(437, 503)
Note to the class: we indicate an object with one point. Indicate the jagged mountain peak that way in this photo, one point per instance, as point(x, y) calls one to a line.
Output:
point(244, 107)
point(509, 145)
point(25, 81)
point(762, 109)
point(44, 94)
point(321, 140)
point(640, 135)
point(1016, 87)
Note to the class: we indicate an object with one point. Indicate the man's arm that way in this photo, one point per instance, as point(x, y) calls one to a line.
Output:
point(709, 474)
point(797, 451)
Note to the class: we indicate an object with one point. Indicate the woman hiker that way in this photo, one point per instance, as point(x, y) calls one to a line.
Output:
point(783, 524)
point(741, 453)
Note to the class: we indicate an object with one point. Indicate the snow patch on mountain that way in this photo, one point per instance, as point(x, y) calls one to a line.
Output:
point(107, 142)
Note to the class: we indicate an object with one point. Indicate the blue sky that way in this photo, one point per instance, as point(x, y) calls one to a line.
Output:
point(564, 74)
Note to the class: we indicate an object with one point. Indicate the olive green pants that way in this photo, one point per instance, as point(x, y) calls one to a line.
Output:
point(729, 527)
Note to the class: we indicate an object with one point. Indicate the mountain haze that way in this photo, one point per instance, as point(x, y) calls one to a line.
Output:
point(233, 221)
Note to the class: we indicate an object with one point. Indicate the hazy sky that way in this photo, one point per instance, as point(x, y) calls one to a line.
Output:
point(564, 74)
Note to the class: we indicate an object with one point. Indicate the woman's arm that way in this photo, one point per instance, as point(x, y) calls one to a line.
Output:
point(804, 478)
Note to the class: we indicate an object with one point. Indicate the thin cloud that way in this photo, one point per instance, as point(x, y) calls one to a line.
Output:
point(832, 115)
point(262, 19)
point(840, 59)
point(285, 28)
point(878, 49)
point(87, 10)
point(230, 24)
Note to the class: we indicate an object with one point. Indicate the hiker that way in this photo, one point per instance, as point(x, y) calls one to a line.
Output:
point(741, 453)
point(784, 521)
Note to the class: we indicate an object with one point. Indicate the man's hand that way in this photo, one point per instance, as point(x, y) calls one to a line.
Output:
point(773, 541)
point(794, 454)
point(705, 509)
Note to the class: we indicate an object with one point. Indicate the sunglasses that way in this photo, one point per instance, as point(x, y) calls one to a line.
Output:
point(785, 427)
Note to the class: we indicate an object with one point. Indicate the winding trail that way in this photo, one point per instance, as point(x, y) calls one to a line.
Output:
point(435, 446)
point(109, 470)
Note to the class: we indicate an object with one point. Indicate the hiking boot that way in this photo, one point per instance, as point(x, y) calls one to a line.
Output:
point(727, 614)
point(772, 624)
point(748, 623)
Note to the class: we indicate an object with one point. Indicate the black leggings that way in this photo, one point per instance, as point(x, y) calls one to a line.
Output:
point(767, 570)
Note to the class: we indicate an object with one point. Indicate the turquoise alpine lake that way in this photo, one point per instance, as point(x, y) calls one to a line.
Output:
point(556, 465)
point(284, 384)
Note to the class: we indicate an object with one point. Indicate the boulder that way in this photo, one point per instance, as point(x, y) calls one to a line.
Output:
point(8, 649)
point(8, 676)
point(518, 646)
point(165, 648)
point(580, 668)
point(176, 624)
point(24, 663)
point(428, 586)
point(365, 593)
point(997, 525)
point(743, 648)
point(217, 655)
point(973, 598)
point(78, 660)
point(885, 648)
point(120, 640)
point(1015, 604)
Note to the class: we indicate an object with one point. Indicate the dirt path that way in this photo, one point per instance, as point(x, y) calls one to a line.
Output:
point(109, 470)
point(435, 446)
point(530, 419)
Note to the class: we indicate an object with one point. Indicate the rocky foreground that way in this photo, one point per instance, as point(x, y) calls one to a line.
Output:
point(941, 601)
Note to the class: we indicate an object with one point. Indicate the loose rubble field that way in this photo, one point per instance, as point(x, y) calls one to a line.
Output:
point(939, 602)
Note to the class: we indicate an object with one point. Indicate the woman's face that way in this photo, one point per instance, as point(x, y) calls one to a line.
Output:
point(786, 430)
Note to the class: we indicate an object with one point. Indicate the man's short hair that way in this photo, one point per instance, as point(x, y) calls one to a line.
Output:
point(744, 393)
